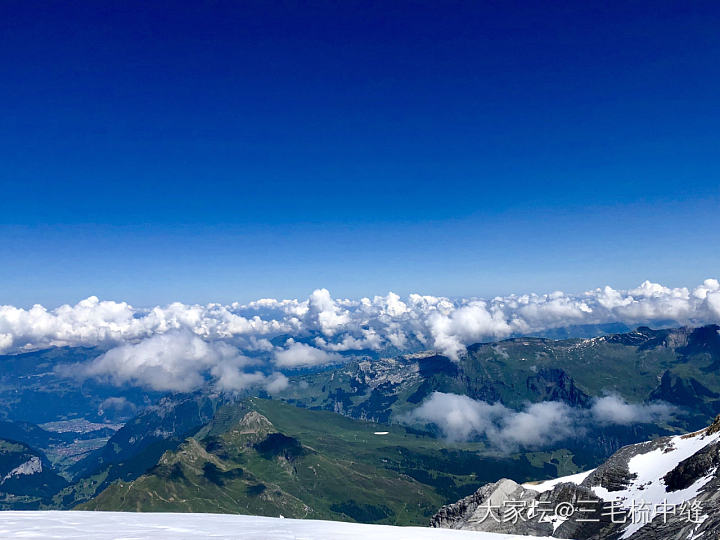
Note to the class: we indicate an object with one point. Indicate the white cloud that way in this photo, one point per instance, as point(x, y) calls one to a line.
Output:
point(462, 418)
point(615, 410)
point(336, 325)
point(459, 417)
point(325, 312)
point(277, 383)
point(538, 425)
point(229, 378)
point(297, 355)
point(467, 324)
point(117, 406)
point(178, 361)
point(173, 361)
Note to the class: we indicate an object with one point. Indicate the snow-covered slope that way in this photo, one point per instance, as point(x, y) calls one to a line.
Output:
point(647, 479)
point(657, 490)
point(126, 526)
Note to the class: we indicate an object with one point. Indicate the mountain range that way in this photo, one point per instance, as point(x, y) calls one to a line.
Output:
point(346, 441)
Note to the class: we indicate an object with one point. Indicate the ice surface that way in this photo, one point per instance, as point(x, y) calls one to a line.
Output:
point(132, 526)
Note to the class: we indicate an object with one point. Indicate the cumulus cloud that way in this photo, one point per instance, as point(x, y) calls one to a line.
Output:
point(325, 313)
point(467, 324)
point(177, 361)
point(538, 425)
point(615, 410)
point(117, 407)
point(461, 418)
point(298, 355)
point(277, 382)
point(335, 325)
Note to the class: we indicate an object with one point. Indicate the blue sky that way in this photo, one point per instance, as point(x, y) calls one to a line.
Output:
point(235, 150)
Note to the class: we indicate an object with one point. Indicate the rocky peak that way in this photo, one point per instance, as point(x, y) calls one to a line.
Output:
point(31, 466)
point(253, 422)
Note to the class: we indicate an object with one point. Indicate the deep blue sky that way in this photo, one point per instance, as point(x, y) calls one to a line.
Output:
point(218, 151)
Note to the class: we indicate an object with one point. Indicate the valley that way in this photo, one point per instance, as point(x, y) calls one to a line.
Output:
point(345, 442)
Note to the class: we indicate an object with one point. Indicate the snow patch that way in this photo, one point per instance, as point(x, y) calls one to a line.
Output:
point(547, 485)
point(648, 486)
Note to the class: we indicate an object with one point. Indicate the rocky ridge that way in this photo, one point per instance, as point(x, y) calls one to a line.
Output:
point(662, 489)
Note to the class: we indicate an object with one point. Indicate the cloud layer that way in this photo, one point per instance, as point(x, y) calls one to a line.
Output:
point(461, 418)
point(180, 347)
point(337, 325)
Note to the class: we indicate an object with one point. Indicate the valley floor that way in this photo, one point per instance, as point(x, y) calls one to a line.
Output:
point(127, 525)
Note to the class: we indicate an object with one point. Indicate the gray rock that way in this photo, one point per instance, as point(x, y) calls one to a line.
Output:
point(485, 510)
point(698, 517)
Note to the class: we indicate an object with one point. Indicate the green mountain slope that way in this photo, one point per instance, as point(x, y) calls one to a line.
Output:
point(137, 446)
point(243, 463)
point(679, 366)
point(269, 458)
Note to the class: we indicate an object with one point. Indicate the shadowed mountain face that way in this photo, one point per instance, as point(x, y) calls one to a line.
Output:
point(553, 384)
point(137, 446)
point(686, 392)
point(26, 478)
